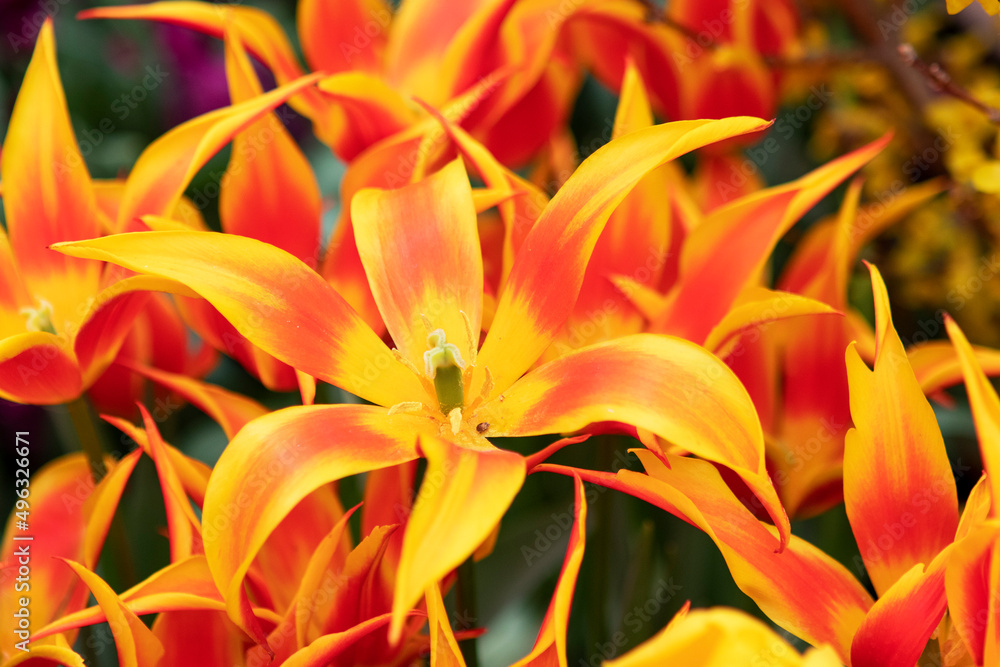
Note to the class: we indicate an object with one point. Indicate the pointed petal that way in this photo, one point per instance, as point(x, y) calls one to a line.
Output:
point(985, 408)
point(322, 650)
point(101, 505)
point(275, 462)
point(731, 246)
point(329, 555)
point(136, 644)
point(550, 647)
point(977, 508)
point(971, 598)
point(716, 637)
point(444, 647)
point(45, 654)
point(212, 327)
point(420, 248)
point(271, 298)
point(899, 489)
point(758, 307)
point(694, 491)
point(219, 642)
point(543, 284)
point(370, 111)
point(269, 191)
point(48, 195)
point(38, 368)
point(166, 167)
point(184, 585)
point(668, 386)
point(337, 36)
point(463, 496)
point(901, 621)
point(57, 522)
point(228, 409)
point(938, 366)
point(109, 319)
point(182, 524)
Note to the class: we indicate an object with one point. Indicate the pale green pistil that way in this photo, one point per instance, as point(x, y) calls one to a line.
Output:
point(39, 319)
point(443, 363)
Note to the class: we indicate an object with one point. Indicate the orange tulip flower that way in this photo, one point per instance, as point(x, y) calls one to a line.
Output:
point(495, 64)
point(421, 253)
point(922, 556)
point(63, 322)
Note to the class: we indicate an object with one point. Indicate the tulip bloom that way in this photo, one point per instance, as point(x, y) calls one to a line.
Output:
point(494, 64)
point(922, 556)
point(63, 322)
point(444, 394)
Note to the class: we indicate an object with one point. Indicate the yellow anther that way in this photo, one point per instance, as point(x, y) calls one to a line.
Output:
point(455, 417)
point(406, 406)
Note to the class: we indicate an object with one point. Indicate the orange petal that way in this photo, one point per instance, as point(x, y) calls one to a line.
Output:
point(324, 649)
point(38, 368)
point(269, 191)
point(937, 364)
point(368, 111)
point(271, 298)
point(219, 642)
point(48, 195)
point(729, 249)
point(720, 637)
point(543, 284)
point(109, 319)
point(985, 408)
point(326, 560)
point(901, 621)
point(694, 491)
point(56, 523)
point(444, 647)
point(464, 494)
point(41, 655)
point(664, 385)
point(757, 307)
point(182, 523)
point(899, 489)
point(213, 328)
point(228, 409)
point(339, 36)
point(184, 585)
point(166, 167)
point(136, 644)
point(275, 462)
point(969, 583)
point(420, 248)
point(101, 505)
point(550, 647)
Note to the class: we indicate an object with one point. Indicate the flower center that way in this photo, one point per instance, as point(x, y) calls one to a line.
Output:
point(40, 318)
point(443, 363)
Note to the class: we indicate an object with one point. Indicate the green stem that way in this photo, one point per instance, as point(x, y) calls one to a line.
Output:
point(120, 554)
point(465, 601)
point(601, 547)
point(86, 433)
